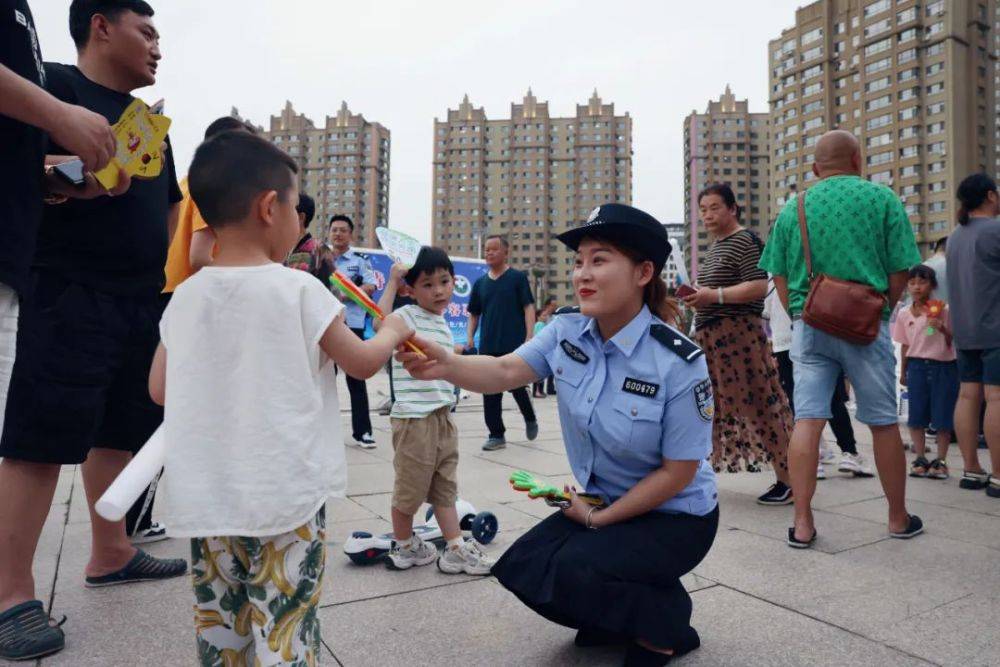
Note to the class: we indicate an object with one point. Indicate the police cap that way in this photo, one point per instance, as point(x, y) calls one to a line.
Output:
point(626, 226)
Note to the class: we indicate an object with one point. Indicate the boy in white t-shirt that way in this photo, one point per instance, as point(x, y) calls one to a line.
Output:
point(424, 437)
point(252, 422)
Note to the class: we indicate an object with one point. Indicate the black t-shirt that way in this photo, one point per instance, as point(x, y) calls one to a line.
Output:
point(118, 244)
point(22, 150)
point(500, 306)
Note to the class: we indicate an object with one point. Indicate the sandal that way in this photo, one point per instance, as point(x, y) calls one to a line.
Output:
point(142, 567)
point(913, 528)
point(27, 632)
point(919, 467)
point(938, 469)
point(796, 543)
point(974, 481)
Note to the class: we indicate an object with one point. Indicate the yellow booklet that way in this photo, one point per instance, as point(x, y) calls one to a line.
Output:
point(140, 135)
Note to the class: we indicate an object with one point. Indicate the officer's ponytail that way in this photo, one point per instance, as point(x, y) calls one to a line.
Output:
point(660, 302)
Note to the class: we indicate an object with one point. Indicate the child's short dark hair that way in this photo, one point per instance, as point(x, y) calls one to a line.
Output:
point(925, 272)
point(429, 260)
point(230, 169)
point(307, 207)
point(228, 124)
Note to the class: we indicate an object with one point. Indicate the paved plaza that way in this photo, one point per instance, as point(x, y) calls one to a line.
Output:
point(858, 598)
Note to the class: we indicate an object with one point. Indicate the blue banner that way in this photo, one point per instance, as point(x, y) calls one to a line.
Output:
point(467, 272)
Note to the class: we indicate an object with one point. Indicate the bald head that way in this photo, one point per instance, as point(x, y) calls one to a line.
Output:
point(837, 151)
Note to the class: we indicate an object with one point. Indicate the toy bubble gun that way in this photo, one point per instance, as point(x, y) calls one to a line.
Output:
point(354, 293)
point(553, 496)
point(934, 309)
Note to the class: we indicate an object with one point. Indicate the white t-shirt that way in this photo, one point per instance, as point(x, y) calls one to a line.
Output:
point(252, 421)
point(419, 398)
point(781, 323)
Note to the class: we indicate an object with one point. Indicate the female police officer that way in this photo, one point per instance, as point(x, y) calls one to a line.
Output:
point(635, 403)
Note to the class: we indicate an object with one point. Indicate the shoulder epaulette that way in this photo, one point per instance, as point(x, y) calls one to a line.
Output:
point(676, 342)
point(566, 310)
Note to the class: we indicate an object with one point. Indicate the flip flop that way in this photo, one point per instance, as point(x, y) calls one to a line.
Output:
point(913, 528)
point(142, 567)
point(795, 543)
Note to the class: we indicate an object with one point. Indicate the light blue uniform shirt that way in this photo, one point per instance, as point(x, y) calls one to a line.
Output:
point(628, 403)
point(352, 264)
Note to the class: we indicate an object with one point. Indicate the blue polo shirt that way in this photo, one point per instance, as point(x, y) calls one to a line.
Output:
point(627, 403)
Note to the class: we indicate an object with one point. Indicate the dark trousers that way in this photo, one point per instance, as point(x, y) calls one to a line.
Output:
point(361, 422)
point(840, 422)
point(548, 385)
point(493, 410)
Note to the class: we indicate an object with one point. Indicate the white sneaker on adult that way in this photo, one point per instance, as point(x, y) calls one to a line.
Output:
point(366, 441)
point(820, 471)
point(826, 454)
point(155, 533)
point(856, 464)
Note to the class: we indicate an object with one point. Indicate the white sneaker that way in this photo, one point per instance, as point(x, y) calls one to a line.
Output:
point(826, 454)
point(418, 553)
point(366, 441)
point(856, 464)
point(155, 533)
point(468, 558)
point(820, 471)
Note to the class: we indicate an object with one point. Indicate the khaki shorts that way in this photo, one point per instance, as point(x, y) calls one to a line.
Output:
point(425, 461)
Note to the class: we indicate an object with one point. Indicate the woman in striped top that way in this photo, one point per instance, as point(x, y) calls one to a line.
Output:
point(753, 421)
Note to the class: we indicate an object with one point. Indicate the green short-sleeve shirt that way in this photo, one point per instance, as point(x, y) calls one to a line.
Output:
point(858, 231)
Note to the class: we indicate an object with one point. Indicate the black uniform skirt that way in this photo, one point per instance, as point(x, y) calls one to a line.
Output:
point(622, 579)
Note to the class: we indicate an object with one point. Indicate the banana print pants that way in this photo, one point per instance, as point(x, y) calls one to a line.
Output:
point(257, 597)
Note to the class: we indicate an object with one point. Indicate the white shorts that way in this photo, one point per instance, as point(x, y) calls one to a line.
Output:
point(8, 342)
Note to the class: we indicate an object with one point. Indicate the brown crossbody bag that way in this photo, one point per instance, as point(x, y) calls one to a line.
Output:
point(848, 310)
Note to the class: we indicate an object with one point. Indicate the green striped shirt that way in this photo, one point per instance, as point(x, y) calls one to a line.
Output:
point(418, 398)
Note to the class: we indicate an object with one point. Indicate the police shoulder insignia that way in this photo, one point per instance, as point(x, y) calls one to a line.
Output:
point(676, 342)
point(704, 401)
point(573, 352)
point(566, 310)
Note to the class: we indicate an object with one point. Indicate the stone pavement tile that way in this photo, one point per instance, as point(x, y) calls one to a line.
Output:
point(47, 553)
point(527, 457)
point(509, 518)
point(836, 531)
point(743, 631)
point(339, 510)
point(78, 512)
point(65, 485)
point(948, 494)
point(959, 634)
point(955, 524)
point(356, 456)
point(367, 479)
point(473, 623)
point(835, 490)
point(867, 590)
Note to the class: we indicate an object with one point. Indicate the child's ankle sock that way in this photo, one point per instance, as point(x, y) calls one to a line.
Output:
point(455, 543)
point(405, 544)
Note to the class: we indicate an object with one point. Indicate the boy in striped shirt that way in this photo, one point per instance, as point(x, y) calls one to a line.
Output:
point(424, 438)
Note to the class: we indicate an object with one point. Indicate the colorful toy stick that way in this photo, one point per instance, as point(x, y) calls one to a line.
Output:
point(525, 481)
point(934, 309)
point(354, 293)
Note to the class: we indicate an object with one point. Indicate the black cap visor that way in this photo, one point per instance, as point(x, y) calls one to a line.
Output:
point(648, 244)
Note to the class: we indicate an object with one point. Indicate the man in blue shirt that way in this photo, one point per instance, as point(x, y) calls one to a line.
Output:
point(358, 269)
point(501, 302)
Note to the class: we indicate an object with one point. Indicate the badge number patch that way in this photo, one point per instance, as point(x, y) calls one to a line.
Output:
point(640, 388)
point(573, 352)
point(703, 400)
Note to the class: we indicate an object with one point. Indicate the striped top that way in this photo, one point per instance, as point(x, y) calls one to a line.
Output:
point(731, 261)
point(418, 398)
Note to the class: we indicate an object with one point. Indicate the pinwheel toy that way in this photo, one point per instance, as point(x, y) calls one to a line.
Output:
point(934, 309)
point(354, 293)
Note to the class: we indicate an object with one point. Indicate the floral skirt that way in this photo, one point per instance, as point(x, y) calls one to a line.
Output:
point(753, 421)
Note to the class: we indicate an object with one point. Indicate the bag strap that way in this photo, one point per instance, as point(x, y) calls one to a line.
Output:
point(804, 231)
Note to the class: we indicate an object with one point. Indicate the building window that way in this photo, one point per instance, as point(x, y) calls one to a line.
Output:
point(906, 16)
point(812, 89)
point(877, 7)
point(811, 36)
point(878, 47)
point(909, 151)
point(878, 65)
point(878, 27)
point(935, 128)
point(879, 121)
point(878, 84)
point(878, 103)
point(815, 70)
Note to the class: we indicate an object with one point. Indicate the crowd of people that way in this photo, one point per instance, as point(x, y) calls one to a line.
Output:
point(205, 305)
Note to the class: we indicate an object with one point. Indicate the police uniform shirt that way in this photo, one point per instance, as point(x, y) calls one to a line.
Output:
point(628, 403)
point(352, 264)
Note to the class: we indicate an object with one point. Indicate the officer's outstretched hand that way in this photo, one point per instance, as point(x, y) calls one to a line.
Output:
point(432, 366)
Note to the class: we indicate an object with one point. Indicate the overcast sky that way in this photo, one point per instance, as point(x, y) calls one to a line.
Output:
point(404, 63)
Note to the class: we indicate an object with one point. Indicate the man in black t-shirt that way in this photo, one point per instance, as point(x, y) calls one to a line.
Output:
point(88, 326)
point(502, 308)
